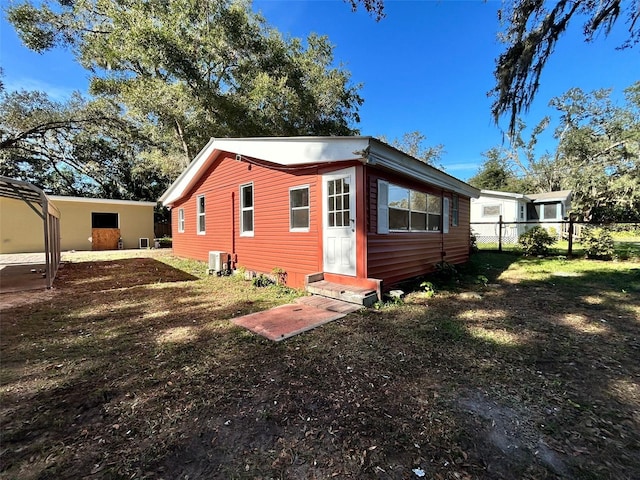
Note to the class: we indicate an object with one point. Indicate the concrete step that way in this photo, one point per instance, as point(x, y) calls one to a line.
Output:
point(346, 293)
point(330, 304)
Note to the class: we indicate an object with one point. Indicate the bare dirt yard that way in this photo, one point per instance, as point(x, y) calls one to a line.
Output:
point(131, 369)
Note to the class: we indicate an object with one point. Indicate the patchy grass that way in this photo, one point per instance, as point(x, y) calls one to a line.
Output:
point(130, 368)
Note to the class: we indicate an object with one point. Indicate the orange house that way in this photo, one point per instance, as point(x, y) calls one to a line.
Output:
point(350, 210)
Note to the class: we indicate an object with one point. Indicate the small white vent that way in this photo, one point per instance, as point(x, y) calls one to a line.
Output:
point(218, 261)
point(143, 243)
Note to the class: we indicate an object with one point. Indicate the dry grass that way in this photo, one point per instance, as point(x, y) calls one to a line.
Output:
point(130, 368)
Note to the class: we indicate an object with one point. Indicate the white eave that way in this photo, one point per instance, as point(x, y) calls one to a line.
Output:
point(496, 193)
point(387, 157)
point(300, 151)
point(106, 201)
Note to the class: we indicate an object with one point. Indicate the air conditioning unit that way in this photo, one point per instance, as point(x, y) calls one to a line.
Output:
point(219, 262)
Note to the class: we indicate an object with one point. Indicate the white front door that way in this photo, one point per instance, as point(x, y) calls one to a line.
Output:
point(339, 223)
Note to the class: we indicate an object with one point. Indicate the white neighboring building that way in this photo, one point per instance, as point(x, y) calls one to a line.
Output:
point(517, 207)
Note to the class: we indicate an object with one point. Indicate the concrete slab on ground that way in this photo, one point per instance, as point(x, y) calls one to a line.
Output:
point(288, 320)
point(22, 271)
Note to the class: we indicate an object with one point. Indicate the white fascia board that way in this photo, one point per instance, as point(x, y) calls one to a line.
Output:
point(563, 198)
point(496, 193)
point(291, 151)
point(108, 201)
point(396, 161)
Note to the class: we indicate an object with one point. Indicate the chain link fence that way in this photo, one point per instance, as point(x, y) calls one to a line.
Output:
point(503, 236)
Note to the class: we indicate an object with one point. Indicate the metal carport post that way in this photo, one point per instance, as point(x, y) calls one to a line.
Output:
point(48, 212)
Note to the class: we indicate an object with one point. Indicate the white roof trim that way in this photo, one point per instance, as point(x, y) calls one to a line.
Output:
point(292, 151)
point(496, 193)
point(388, 157)
point(62, 198)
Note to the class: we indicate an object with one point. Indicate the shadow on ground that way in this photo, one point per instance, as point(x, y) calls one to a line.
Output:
point(132, 370)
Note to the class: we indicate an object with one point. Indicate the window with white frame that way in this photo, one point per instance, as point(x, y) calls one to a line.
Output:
point(201, 214)
point(455, 209)
point(299, 209)
point(410, 210)
point(181, 220)
point(246, 210)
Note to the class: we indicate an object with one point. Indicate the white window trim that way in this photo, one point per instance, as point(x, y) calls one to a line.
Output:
point(181, 220)
point(445, 215)
point(455, 212)
point(308, 207)
point(248, 233)
point(383, 209)
point(201, 214)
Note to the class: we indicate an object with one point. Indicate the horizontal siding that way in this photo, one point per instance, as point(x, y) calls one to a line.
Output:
point(456, 243)
point(398, 256)
point(395, 257)
point(272, 245)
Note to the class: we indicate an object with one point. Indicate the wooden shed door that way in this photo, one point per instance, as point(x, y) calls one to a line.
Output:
point(339, 232)
point(105, 238)
point(104, 230)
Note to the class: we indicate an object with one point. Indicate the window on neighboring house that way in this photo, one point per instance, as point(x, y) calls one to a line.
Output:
point(181, 220)
point(201, 214)
point(551, 211)
point(299, 209)
point(411, 210)
point(544, 211)
point(491, 210)
point(246, 210)
point(521, 212)
point(455, 208)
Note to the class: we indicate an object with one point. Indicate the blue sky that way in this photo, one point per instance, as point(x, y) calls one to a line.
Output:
point(427, 66)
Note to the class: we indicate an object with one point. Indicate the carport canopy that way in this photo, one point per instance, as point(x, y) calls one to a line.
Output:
point(46, 210)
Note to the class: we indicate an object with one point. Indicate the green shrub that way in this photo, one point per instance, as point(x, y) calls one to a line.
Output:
point(597, 243)
point(536, 241)
point(428, 288)
point(262, 280)
point(553, 232)
point(165, 242)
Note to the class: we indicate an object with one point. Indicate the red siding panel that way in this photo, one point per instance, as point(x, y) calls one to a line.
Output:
point(272, 245)
point(397, 256)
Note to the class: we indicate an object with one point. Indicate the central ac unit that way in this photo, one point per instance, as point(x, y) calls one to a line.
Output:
point(218, 262)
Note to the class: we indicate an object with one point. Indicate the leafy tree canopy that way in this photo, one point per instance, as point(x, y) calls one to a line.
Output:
point(77, 147)
point(532, 30)
point(183, 71)
point(497, 173)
